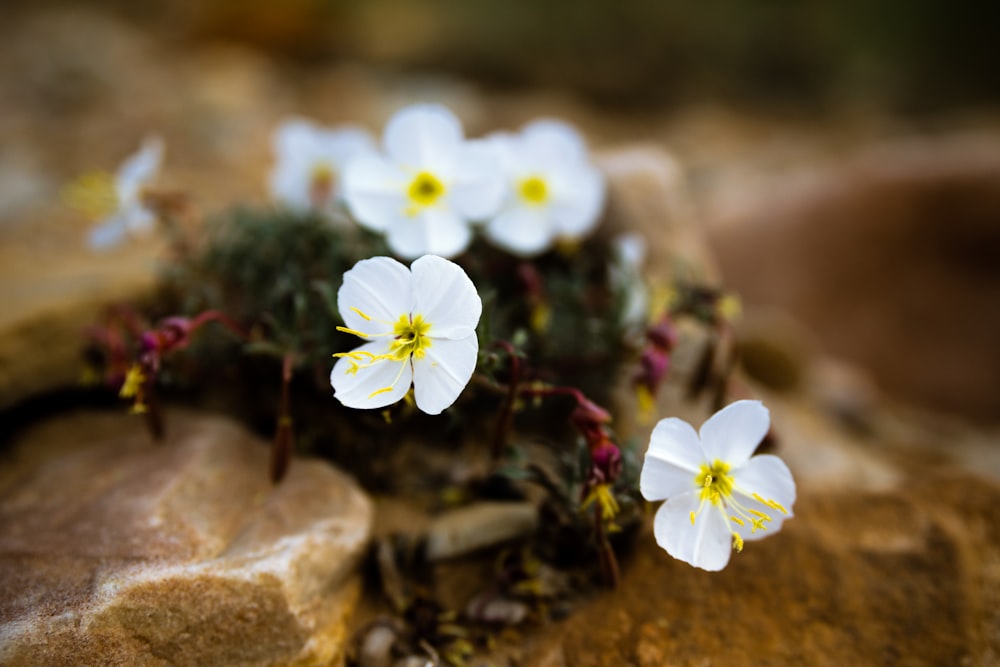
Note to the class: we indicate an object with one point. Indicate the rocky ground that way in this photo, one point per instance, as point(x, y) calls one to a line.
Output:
point(856, 236)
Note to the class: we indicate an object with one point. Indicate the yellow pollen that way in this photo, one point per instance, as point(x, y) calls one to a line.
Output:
point(360, 334)
point(715, 482)
point(738, 520)
point(534, 190)
point(321, 181)
point(383, 390)
point(737, 543)
point(94, 194)
point(363, 314)
point(424, 190)
point(133, 382)
point(411, 337)
point(693, 515)
point(770, 503)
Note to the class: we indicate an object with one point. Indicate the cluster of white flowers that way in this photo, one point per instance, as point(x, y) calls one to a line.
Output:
point(429, 185)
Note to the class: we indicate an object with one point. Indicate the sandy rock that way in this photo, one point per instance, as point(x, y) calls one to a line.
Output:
point(484, 524)
point(115, 550)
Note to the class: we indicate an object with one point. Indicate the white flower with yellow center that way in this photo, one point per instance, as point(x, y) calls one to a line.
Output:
point(309, 161)
point(116, 201)
point(554, 193)
point(427, 188)
point(420, 327)
point(717, 495)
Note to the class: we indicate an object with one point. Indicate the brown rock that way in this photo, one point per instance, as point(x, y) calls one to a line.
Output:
point(115, 550)
point(891, 258)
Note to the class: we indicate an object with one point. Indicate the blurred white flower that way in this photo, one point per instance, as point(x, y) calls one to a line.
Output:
point(420, 327)
point(309, 161)
point(553, 191)
point(717, 496)
point(116, 202)
point(427, 188)
point(629, 252)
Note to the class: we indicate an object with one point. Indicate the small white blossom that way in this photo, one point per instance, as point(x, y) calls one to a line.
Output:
point(553, 191)
point(427, 188)
point(420, 327)
point(717, 495)
point(117, 201)
point(309, 161)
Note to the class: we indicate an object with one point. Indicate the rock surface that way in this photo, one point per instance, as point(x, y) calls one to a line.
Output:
point(115, 550)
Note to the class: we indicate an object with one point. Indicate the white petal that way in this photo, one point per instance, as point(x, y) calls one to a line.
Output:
point(108, 234)
point(289, 183)
point(434, 230)
point(139, 220)
point(375, 191)
point(444, 371)
point(293, 136)
point(674, 440)
point(555, 138)
point(706, 544)
point(423, 135)
point(446, 298)
point(769, 477)
point(362, 389)
point(341, 144)
point(381, 288)
point(522, 230)
point(478, 186)
point(733, 433)
point(578, 201)
point(139, 168)
point(660, 479)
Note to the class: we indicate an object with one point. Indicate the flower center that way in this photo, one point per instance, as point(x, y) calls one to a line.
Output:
point(425, 189)
point(411, 337)
point(94, 194)
point(321, 180)
point(715, 481)
point(534, 190)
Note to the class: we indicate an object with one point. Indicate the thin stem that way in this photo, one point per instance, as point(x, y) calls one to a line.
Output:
point(284, 437)
point(223, 319)
point(506, 415)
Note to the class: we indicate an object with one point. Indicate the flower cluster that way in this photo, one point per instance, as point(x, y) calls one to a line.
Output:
point(428, 185)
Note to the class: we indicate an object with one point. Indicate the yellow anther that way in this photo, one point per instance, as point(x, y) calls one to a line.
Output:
point(355, 332)
point(383, 390)
point(770, 503)
point(693, 515)
point(737, 543)
point(738, 520)
point(534, 190)
point(361, 313)
point(759, 514)
point(133, 382)
point(424, 190)
point(708, 481)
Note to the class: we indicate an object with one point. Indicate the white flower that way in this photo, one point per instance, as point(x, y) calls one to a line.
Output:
point(427, 188)
point(420, 324)
point(310, 160)
point(716, 495)
point(116, 201)
point(554, 192)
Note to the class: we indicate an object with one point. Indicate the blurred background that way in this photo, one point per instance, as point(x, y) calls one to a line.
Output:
point(843, 158)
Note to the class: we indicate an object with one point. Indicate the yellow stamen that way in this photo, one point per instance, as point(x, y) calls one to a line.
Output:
point(355, 332)
point(738, 520)
point(693, 515)
point(715, 481)
point(533, 190)
point(133, 382)
point(770, 503)
point(411, 337)
point(383, 390)
point(605, 498)
point(737, 543)
point(94, 194)
point(424, 190)
point(361, 313)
